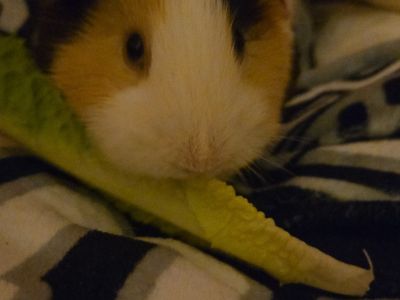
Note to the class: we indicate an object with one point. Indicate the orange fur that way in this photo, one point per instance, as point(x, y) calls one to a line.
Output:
point(96, 57)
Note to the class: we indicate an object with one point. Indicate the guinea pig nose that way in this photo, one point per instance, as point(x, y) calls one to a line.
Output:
point(200, 157)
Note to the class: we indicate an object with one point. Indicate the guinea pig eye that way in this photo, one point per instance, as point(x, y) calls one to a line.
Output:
point(135, 47)
point(239, 42)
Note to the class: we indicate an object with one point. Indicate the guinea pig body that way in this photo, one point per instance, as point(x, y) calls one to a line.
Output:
point(171, 88)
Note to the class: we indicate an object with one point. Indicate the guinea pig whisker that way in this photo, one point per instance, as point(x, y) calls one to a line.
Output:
point(242, 177)
point(274, 164)
point(253, 170)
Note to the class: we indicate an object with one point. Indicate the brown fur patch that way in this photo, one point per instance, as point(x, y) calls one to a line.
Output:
point(268, 59)
point(94, 65)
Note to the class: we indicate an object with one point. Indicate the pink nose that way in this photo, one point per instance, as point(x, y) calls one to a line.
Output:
point(200, 157)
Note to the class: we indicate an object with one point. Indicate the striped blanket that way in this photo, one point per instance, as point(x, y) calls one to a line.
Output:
point(333, 180)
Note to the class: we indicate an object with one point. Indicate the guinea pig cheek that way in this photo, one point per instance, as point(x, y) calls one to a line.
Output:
point(253, 127)
point(125, 130)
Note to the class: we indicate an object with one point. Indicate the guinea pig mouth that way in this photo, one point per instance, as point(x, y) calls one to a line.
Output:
point(184, 172)
point(198, 168)
point(214, 165)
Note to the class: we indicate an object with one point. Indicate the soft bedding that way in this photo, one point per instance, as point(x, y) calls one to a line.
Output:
point(333, 180)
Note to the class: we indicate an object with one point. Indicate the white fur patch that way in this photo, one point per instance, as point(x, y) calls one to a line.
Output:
point(193, 114)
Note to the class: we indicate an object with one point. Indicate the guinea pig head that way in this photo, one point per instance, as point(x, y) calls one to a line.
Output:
point(178, 88)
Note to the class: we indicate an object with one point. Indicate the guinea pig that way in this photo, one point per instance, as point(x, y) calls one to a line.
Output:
point(170, 88)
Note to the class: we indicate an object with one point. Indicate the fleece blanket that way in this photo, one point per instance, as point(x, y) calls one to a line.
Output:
point(332, 180)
